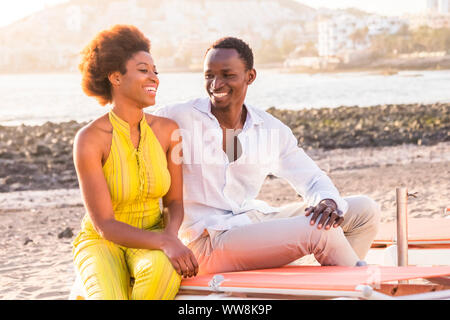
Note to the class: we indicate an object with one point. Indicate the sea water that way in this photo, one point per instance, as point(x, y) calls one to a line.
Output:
point(36, 98)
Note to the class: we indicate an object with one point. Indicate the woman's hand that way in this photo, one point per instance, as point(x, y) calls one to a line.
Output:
point(328, 209)
point(181, 257)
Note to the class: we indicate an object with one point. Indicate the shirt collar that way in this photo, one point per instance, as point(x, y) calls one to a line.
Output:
point(204, 105)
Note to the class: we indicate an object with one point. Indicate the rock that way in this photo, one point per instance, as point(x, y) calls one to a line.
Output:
point(29, 141)
point(6, 155)
point(16, 187)
point(67, 233)
point(42, 150)
point(67, 178)
point(9, 180)
point(349, 127)
point(27, 241)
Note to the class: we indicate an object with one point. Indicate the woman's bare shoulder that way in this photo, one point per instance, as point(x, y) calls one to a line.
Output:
point(163, 128)
point(95, 133)
point(161, 122)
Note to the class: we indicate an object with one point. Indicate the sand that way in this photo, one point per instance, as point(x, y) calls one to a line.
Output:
point(37, 227)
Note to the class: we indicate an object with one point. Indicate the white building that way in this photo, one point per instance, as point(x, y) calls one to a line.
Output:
point(436, 16)
point(438, 6)
point(443, 6)
point(432, 6)
point(334, 34)
point(344, 32)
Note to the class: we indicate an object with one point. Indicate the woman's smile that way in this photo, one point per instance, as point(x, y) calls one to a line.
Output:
point(150, 90)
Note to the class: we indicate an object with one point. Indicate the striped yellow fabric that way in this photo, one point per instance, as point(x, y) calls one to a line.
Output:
point(137, 179)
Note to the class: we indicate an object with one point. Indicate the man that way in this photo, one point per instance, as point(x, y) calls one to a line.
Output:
point(229, 147)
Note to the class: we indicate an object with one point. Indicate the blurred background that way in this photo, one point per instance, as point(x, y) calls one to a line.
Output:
point(282, 33)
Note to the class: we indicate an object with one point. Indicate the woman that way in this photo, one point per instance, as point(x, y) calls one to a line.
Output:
point(125, 166)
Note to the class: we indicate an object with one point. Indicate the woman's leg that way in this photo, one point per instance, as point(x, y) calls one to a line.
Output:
point(155, 277)
point(102, 268)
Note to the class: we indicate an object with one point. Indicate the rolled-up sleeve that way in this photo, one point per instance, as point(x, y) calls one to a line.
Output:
point(307, 179)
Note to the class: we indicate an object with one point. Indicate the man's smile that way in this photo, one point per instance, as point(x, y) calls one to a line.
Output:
point(219, 94)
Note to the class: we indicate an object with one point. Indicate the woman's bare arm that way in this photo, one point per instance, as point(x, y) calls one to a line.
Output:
point(173, 202)
point(96, 197)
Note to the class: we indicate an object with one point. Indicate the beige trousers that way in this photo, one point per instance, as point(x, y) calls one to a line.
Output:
point(277, 239)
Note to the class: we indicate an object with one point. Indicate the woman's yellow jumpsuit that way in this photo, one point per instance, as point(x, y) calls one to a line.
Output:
point(136, 179)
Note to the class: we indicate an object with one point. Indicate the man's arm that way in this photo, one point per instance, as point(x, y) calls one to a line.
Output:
point(308, 180)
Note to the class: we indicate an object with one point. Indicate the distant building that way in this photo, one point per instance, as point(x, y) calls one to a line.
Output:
point(444, 6)
point(438, 6)
point(345, 32)
point(432, 6)
point(434, 21)
point(335, 33)
point(436, 16)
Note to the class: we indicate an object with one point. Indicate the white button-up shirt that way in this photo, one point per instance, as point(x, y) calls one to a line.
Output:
point(217, 192)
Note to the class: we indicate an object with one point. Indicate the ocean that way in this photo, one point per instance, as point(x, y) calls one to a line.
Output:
point(33, 99)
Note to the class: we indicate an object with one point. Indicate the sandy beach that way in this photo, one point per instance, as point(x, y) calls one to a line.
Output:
point(38, 226)
point(365, 150)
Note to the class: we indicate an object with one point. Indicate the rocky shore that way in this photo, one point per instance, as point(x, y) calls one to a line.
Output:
point(40, 157)
point(376, 126)
point(37, 157)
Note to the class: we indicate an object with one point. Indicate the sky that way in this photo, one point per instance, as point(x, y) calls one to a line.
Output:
point(11, 11)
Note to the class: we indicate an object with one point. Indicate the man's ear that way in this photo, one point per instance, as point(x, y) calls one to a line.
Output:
point(251, 76)
point(115, 78)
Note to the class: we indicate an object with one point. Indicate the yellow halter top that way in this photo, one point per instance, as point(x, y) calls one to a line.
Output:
point(136, 178)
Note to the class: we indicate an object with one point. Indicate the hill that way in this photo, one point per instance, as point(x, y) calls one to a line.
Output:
point(180, 31)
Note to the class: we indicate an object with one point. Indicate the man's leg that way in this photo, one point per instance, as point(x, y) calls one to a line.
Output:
point(272, 243)
point(360, 226)
point(361, 223)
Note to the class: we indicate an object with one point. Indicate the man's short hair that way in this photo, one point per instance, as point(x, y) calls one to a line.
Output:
point(242, 48)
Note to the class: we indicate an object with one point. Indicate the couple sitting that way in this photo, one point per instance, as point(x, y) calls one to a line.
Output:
point(207, 160)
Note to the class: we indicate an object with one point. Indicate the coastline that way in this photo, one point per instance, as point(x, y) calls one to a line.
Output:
point(40, 157)
point(384, 66)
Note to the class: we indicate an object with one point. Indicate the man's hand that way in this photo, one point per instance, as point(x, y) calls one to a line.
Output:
point(330, 217)
point(181, 257)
